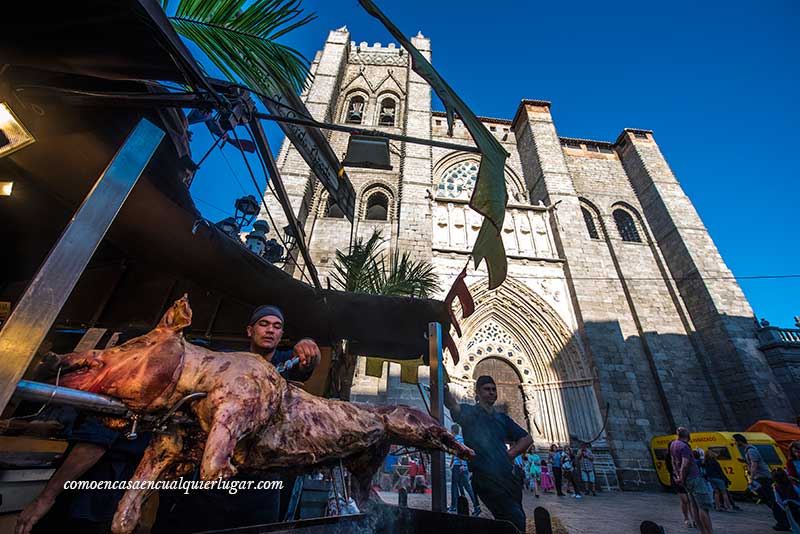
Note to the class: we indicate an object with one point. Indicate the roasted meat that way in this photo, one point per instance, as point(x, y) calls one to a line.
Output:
point(251, 418)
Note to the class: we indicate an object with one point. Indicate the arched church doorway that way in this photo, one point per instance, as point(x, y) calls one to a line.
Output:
point(509, 393)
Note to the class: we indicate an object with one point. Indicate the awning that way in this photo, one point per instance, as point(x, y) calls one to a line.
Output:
point(71, 45)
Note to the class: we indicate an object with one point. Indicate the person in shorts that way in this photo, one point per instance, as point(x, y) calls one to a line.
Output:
point(687, 473)
point(761, 480)
point(719, 482)
point(587, 468)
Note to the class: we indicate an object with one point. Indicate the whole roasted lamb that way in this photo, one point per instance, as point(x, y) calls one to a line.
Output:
point(250, 420)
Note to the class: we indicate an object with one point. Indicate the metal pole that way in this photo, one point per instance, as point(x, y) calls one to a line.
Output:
point(42, 301)
point(280, 191)
point(438, 478)
point(373, 133)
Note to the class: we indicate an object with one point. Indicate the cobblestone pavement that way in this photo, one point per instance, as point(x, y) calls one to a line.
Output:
point(621, 513)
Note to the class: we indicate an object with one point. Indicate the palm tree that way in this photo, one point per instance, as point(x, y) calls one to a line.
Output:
point(241, 40)
point(365, 269)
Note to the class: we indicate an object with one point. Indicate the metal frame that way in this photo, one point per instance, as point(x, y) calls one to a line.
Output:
point(283, 197)
point(42, 301)
point(368, 133)
point(438, 477)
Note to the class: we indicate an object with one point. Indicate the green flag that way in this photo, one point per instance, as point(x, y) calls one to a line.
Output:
point(489, 196)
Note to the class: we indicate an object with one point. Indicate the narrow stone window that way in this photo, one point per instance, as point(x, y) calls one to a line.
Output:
point(492, 128)
point(606, 150)
point(626, 226)
point(388, 108)
point(333, 210)
point(377, 207)
point(355, 111)
point(590, 226)
point(640, 135)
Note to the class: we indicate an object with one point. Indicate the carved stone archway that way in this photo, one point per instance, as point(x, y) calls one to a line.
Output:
point(516, 325)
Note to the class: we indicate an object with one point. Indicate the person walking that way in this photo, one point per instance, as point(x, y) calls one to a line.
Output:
point(569, 471)
point(586, 458)
point(719, 483)
point(459, 481)
point(554, 458)
point(535, 472)
point(688, 474)
point(761, 481)
point(547, 479)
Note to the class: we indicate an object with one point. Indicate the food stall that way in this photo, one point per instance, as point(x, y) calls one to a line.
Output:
point(103, 236)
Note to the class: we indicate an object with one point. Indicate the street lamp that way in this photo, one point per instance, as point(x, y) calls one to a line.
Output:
point(13, 134)
point(256, 241)
point(229, 227)
point(246, 211)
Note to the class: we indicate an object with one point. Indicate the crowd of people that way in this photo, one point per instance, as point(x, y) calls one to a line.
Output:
point(562, 471)
point(702, 485)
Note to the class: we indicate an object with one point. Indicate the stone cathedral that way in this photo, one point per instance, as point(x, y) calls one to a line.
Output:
point(618, 319)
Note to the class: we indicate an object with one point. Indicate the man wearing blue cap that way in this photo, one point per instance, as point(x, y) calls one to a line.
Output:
point(265, 331)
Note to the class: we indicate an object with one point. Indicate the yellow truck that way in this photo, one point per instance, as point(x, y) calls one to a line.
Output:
point(728, 455)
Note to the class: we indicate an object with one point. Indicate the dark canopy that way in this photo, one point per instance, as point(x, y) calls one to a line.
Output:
point(150, 255)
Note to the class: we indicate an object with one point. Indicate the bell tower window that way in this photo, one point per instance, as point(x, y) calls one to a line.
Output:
point(355, 110)
point(387, 114)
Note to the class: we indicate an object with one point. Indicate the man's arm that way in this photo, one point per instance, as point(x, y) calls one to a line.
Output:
point(520, 446)
point(79, 460)
point(684, 468)
point(752, 464)
point(450, 402)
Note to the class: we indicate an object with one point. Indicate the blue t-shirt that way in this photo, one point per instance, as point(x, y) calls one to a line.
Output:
point(487, 435)
point(458, 462)
point(556, 458)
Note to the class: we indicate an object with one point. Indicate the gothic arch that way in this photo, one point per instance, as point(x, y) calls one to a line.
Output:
point(389, 95)
point(536, 326)
point(517, 325)
point(376, 187)
point(643, 234)
point(345, 104)
point(464, 162)
point(594, 218)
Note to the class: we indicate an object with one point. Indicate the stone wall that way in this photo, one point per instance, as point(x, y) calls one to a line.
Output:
point(715, 303)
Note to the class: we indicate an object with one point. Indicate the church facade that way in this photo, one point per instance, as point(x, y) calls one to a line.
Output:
point(618, 320)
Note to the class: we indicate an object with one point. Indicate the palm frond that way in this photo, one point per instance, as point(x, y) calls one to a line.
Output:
point(241, 39)
point(364, 269)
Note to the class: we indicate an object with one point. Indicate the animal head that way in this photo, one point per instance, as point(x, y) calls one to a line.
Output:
point(411, 427)
point(139, 371)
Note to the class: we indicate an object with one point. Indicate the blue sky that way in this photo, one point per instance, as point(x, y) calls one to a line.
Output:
point(716, 82)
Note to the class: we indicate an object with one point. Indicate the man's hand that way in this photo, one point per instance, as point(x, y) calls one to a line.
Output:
point(308, 352)
point(33, 513)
